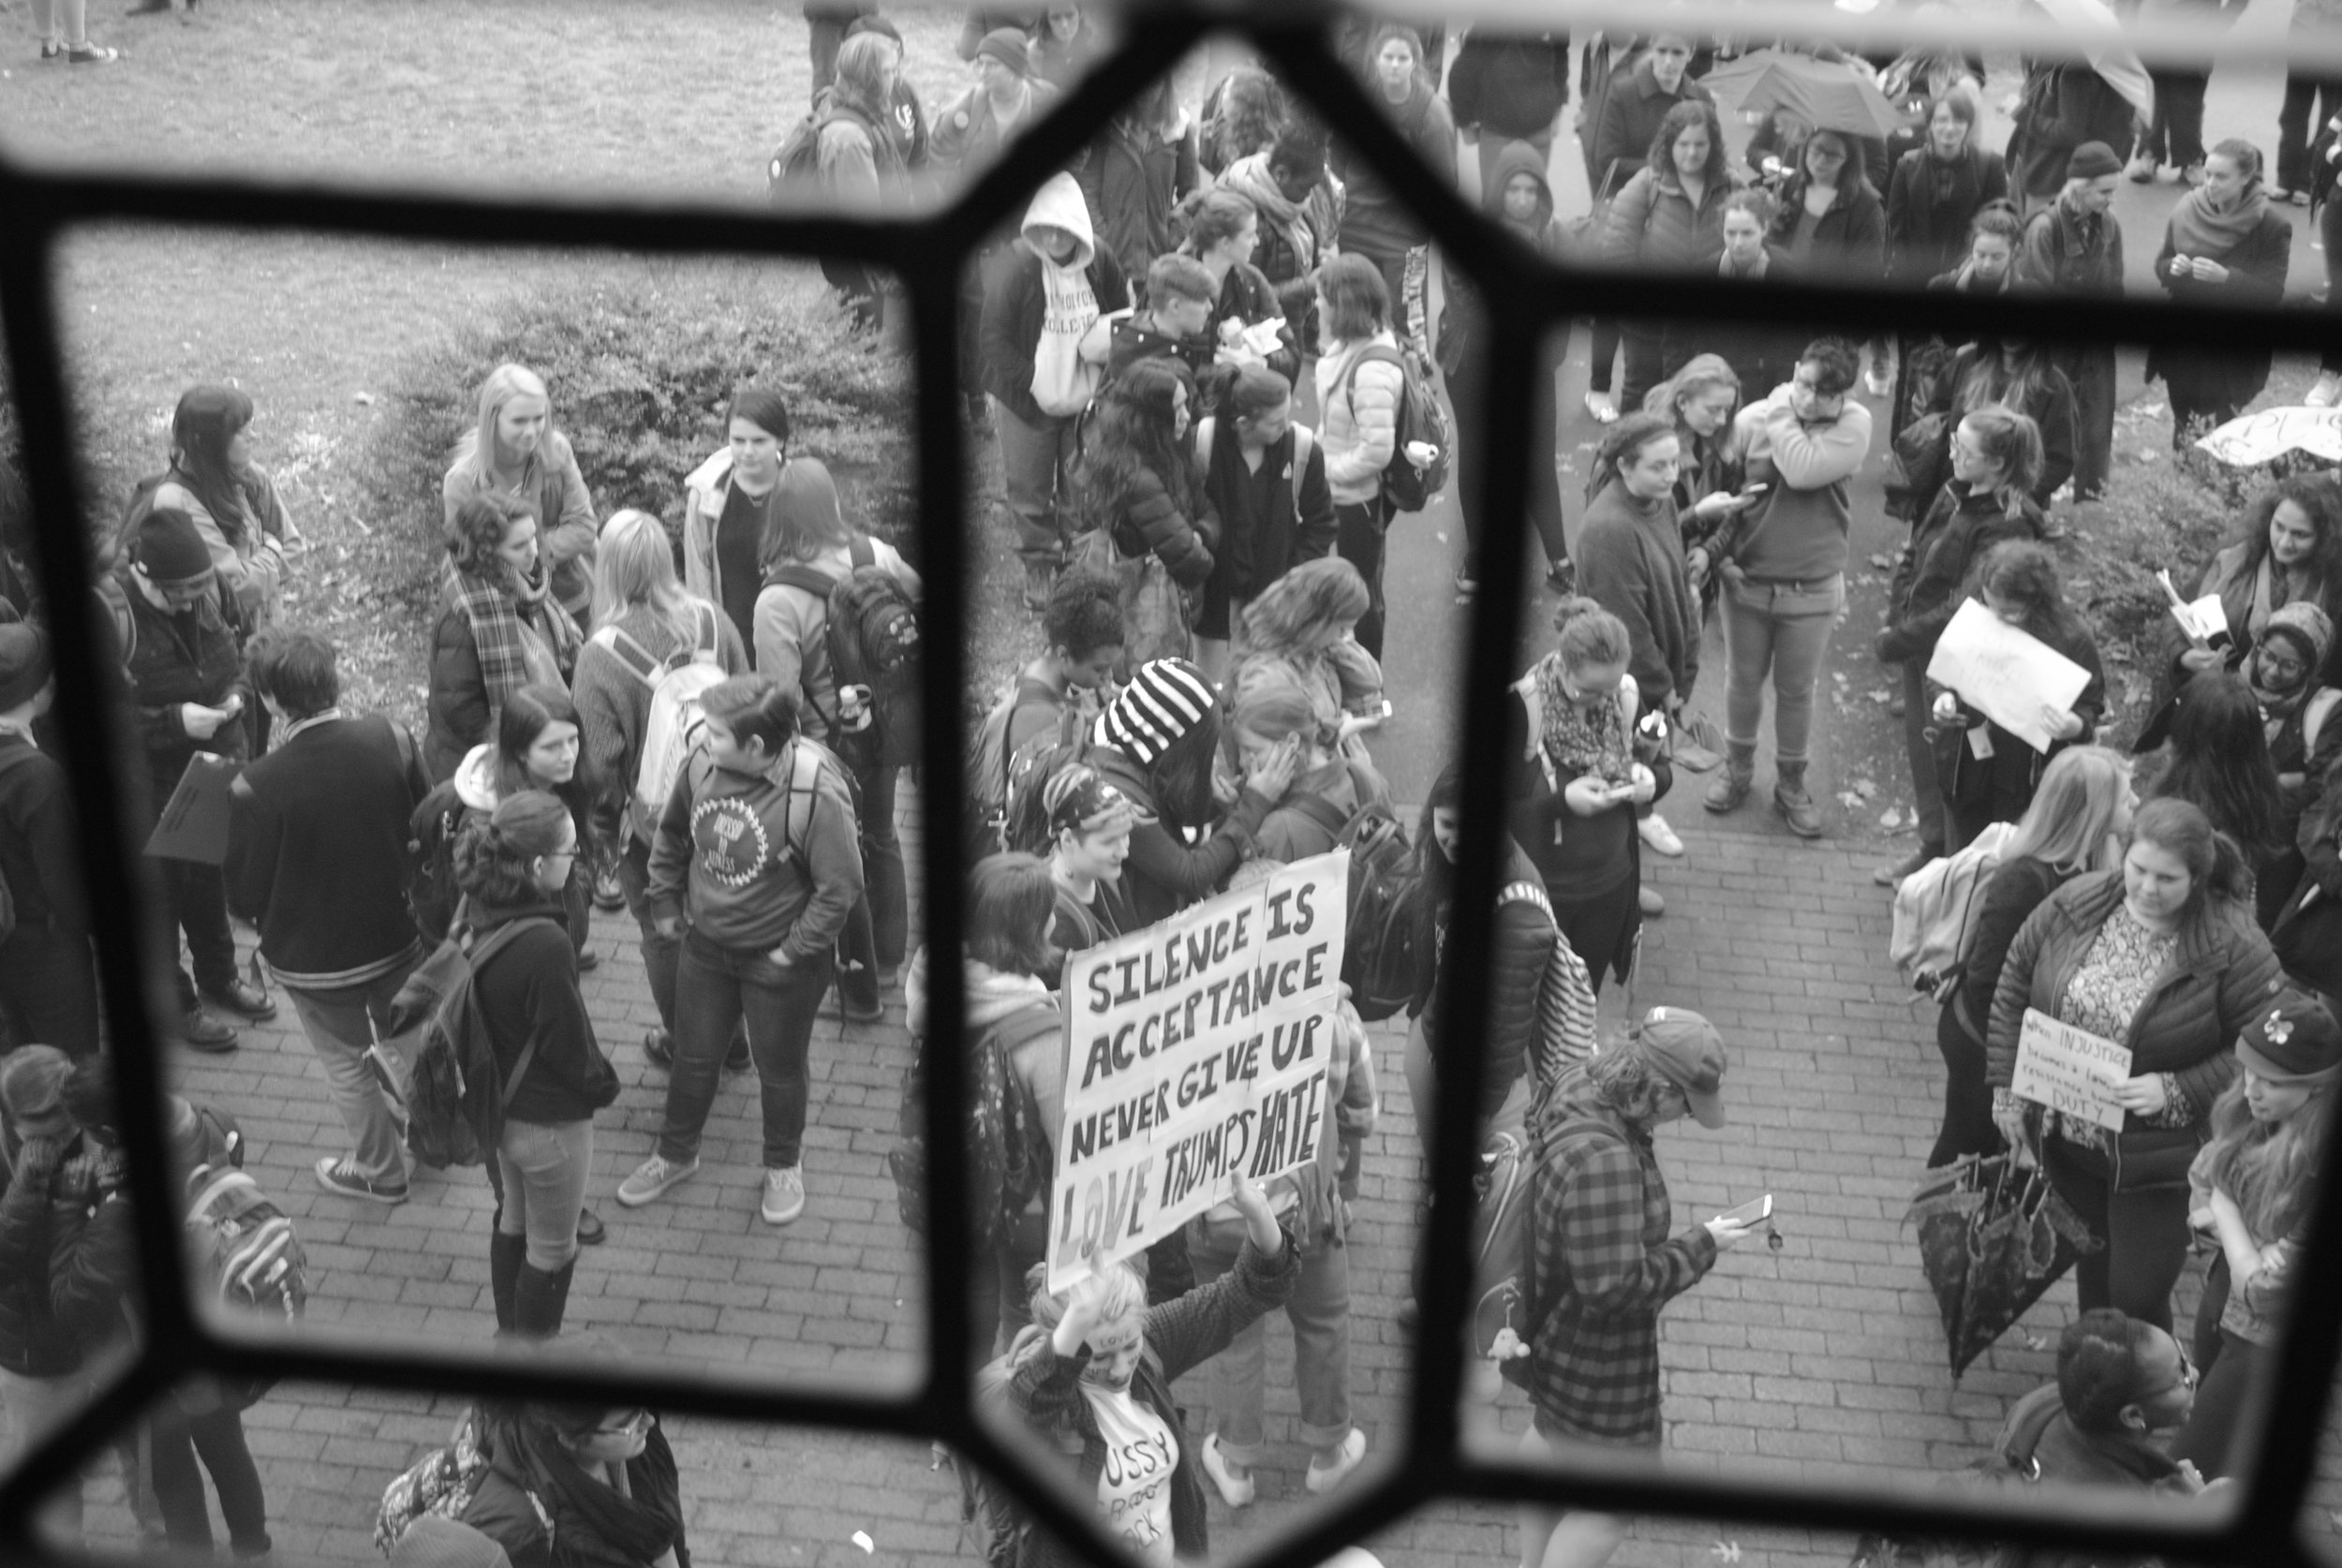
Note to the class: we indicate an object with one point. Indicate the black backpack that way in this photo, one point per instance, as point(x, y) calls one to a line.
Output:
point(871, 637)
point(1419, 418)
point(1378, 948)
point(1008, 1150)
point(456, 1100)
point(797, 163)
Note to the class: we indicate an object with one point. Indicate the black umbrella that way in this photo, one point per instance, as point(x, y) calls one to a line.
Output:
point(1994, 1238)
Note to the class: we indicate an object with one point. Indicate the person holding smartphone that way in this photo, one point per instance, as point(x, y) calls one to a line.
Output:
point(1576, 782)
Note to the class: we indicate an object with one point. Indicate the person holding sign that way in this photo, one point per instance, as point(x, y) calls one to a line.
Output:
point(1094, 1373)
point(2251, 1188)
point(1996, 461)
point(1986, 773)
point(2162, 960)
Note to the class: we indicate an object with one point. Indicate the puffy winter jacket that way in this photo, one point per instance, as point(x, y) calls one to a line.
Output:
point(1930, 204)
point(1361, 427)
point(1654, 226)
point(1849, 240)
point(1959, 530)
point(1633, 109)
point(1524, 938)
point(1149, 517)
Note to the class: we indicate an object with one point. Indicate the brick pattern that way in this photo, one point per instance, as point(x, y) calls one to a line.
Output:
point(1823, 1361)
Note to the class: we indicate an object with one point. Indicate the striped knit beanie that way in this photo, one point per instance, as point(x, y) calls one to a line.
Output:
point(1164, 701)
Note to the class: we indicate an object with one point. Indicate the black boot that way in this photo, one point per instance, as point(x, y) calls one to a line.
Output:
point(505, 1256)
point(541, 1299)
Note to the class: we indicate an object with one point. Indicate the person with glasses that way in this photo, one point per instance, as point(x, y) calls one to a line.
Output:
point(512, 869)
point(2123, 1388)
point(2251, 1188)
point(584, 1486)
point(2288, 549)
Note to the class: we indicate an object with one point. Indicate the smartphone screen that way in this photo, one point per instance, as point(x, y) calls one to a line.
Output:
point(1755, 1211)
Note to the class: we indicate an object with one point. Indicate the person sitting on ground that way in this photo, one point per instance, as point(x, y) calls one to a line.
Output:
point(1093, 1373)
point(1267, 484)
point(499, 628)
point(2123, 1389)
point(600, 1481)
point(513, 450)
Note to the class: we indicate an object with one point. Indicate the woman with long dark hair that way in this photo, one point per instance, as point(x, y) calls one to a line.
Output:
point(1244, 115)
point(2216, 758)
point(1669, 218)
point(728, 506)
point(1832, 226)
point(1993, 782)
point(513, 869)
point(1936, 190)
point(500, 626)
point(2225, 242)
point(1139, 485)
point(231, 499)
point(2162, 957)
point(2288, 548)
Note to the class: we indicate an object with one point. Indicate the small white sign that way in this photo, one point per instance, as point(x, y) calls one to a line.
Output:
point(2069, 1069)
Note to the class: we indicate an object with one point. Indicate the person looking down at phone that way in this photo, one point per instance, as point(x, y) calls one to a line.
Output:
point(1094, 1373)
point(1785, 574)
point(175, 630)
point(1631, 562)
point(1606, 1265)
point(1305, 624)
point(1577, 773)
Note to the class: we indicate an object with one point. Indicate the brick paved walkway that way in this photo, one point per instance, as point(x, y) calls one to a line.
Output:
point(1823, 1361)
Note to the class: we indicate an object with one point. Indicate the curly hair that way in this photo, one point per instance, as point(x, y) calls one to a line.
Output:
point(1084, 615)
point(1682, 118)
point(2319, 499)
point(477, 532)
point(2020, 573)
point(1318, 594)
point(496, 859)
point(1134, 430)
point(1635, 1089)
point(1252, 113)
point(1588, 634)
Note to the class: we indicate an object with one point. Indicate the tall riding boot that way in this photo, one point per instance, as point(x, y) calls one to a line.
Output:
point(506, 1253)
point(1732, 784)
point(539, 1301)
point(1789, 798)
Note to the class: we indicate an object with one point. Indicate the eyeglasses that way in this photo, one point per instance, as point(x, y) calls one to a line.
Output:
point(634, 1424)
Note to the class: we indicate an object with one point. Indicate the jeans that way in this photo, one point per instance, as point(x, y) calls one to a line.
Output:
point(2091, 369)
point(1359, 527)
point(2177, 135)
point(2145, 1233)
point(64, 21)
point(1645, 343)
point(49, 984)
point(1780, 630)
point(878, 928)
point(198, 901)
point(659, 953)
point(1319, 1311)
point(1035, 463)
point(177, 1439)
point(1927, 799)
point(340, 1025)
point(716, 988)
point(544, 1166)
point(30, 1410)
point(2297, 128)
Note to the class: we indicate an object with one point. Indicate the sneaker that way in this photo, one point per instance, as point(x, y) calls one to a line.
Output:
point(784, 1195)
point(1648, 899)
point(2299, 198)
point(2326, 393)
point(1603, 407)
point(659, 1049)
point(207, 1033)
point(652, 1177)
point(854, 1014)
point(93, 55)
point(341, 1177)
point(609, 892)
point(1325, 1477)
point(1660, 836)
point(1235, 1490)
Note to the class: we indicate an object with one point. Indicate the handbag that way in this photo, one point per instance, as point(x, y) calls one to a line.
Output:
point(1917, 465)
point(1582, 236)
point(1158, 618)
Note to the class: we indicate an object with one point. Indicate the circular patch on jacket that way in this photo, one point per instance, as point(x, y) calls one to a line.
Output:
point(730, 839)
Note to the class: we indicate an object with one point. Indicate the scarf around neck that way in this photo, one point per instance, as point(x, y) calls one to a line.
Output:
point(1595, 742)
point(2197, 229)
point(638, 1526)
point(503, 614)
point(1250, 178)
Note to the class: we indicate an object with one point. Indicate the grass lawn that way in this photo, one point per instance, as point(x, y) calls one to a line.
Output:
point(683, 99)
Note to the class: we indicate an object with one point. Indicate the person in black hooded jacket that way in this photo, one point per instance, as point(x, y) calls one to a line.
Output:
point(581, 1486)
point(1508, 88)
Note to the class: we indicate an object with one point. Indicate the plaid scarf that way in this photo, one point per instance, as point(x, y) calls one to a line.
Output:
point(1595, 743)
point(499, 612)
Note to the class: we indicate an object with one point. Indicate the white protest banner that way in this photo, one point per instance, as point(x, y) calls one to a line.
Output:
point(2069, 1069)
point(2005, 672)
point(1195, 1048)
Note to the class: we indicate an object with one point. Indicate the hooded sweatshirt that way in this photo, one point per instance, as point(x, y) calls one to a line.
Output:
point(726, 860)
point(1028, 294)
point(1519, 158)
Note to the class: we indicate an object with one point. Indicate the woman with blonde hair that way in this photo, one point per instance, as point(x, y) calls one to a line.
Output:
point(1328, 788)
point(513, 450)
point(643, 618)
point(2250, 1191)
point(2078, 820)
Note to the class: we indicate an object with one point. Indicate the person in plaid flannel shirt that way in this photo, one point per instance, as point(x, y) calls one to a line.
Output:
point(1604, 1263)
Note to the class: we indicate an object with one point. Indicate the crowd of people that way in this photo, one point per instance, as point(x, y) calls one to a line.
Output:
point(704, 727)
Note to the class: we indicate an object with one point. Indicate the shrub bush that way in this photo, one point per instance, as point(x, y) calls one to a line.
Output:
point(640, 375)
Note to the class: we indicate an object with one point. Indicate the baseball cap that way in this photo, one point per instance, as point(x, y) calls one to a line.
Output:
point(1688, 1053)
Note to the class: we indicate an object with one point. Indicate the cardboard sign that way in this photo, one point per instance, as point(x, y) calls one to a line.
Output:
point(2005, 672)
point(2069, 1069)
point(1195, 1048)
point(194, 824)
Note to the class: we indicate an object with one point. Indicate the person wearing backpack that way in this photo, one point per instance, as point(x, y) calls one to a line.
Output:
point(1578, 776)
point(499, 627)
point(48, 974)
point(94, 1285)
point(859, 165)
point(175, 626)
point(513, 450)
point(317, 861)
point(755, 854)
point(2078, 822)
point(1050, 703)
point(1276, 510)
point(1156, 743)
point(1274, 710)
point(812, 548)
point(1361, 387)
point(1603, 1264)
point(643, 621)
point(512, 868)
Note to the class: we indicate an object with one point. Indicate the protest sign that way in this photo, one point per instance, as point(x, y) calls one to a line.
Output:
point(2069, 1069)
point(2005, 672)
point(1195, 1048)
